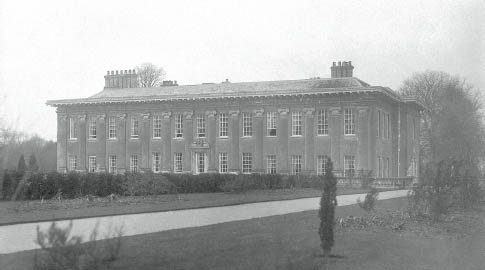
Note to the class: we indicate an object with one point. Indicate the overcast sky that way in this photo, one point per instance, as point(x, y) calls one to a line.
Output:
point(62, 49)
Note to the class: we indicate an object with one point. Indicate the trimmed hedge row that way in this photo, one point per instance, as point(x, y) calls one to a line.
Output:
point(72, 185)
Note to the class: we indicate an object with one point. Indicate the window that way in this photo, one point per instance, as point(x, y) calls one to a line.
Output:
point(271, 124)
point(177, 163)
point(322, 164)
point(157, 127)
point(378, 124)
point(349, 122)
point(112, 127)
point(179, 125)
point(386, 133)
point(247, 163)
point(349, 165)
point(200, 126)
point(134, 164)
point(322, 122)
point(223, 125)
point(200, 159)
point(156, 162)
point(271, 164)
point(295, 164)
point(91, 163)
point(134, 128)
point(388, 126)
point(112, 164)
point(296, 129)
point(72, 128)
point(388, 166)
point(379, 167)
point(92, 128)
point(72, 163)
point(222, 162)
point(247, 125)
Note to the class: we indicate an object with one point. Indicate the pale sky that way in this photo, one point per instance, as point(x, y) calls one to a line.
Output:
point(62, 49)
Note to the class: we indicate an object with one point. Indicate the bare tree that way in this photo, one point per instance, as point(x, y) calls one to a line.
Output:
point(150, 75)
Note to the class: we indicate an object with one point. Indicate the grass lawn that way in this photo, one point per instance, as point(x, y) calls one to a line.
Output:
point(26, 211)
point(291, 242)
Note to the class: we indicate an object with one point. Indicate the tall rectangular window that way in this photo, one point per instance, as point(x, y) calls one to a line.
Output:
point(177, 163)
point(72, 163)
point(296, 124)
point(112, 127)
point(271, 164)
point(322, 164)
point(349, 122)
point(247, 162)
point(200, 158)
point(134, 127)
point(134, 164)
point(179, 125)
point(223, 162)
point(112, 164)
point(200, 125)
point(156, 162)
point(388, 126)
point(388, 166)
point(72, 128)
point(378, 124)
point(386, 130)
point(247, 124)
point(349, 165)
point(92, 164)
point(223, 125)
point(157, 127)
point(92, 128)
point(379, 166)
point(271, 124)
point(296, 164)
point(322, 122)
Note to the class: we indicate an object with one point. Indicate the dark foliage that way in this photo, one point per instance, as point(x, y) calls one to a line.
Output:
point(33, 167)
point(21, 167)
point(369, 201)
point(328, 203)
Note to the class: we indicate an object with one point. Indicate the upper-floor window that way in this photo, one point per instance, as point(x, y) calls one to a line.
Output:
point(296, 124)
point(322, 122)
point(388, 131)
point(92, 128)
point(92, 164)
point(112, 164)
point(179, 125)
point(349, 122)
point(271, 164)
point(223, 162)
point(134, 127)
point(200, 126)
point(134, 164)
point(322, 161)
point(157, 126)
point(156, 162)
point(247, 162)
point(379, 121)
point(223, 125)
point(247, 124)
point(296, 164)
point(112, 127)
point(349, 165)
point(177, 164)
point(72, 128)
point(271, 123)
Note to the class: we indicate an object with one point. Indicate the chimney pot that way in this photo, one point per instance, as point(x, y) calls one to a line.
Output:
point(339, 63)
point(126, 71)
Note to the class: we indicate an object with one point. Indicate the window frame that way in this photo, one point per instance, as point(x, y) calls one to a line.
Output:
point(296, 164)
point(247, 163)
point(73, 131)
point(178, 162)
point(179, 126)
point(322, 122)
point(271, 164)
point(134, 128)
point(92, 164)
point(247, 122)
point(92, 128)
point(223, 125)
point(134, 164)
point(349, 171)
point(111, 128)
point(322, 163)
point(112, 164)
point(223, 162)
point(271, 125)
point(296, 124)
point(200, 126)
point(73, 163)
point(349, 122)
point(157, 127)
point(156, 162)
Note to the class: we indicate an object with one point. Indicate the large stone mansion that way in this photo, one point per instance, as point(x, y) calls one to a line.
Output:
point(286, 127)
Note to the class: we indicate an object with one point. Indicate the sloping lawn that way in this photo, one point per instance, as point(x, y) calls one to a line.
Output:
point(291, 242)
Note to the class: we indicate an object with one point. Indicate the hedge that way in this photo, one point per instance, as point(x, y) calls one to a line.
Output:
point(73, 185)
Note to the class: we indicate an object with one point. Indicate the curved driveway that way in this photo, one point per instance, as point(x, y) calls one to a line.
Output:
point(19, 237)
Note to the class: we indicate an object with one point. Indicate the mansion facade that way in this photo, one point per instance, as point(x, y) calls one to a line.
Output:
point(286, 127)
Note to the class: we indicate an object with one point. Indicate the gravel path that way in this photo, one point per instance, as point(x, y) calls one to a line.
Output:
point(20, 237)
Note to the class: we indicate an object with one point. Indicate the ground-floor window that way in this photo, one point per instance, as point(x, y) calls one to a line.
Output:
point(349, 165)
point(72, 163)
point(134, 164)
point(112, 164)
point(296, 164)
point(177, 163)
point(200, 162)
point(271, 164)
point(223, 162)
point(322, 164)
point(156, 162)
point(247, 162)
point(92, 164)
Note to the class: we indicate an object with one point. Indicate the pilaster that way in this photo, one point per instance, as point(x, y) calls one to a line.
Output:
point(211, 139)
point(309, 133)
point(283, 129)
point(258, 166)
point(166, 142)
point(234, 161)
point(189, 137)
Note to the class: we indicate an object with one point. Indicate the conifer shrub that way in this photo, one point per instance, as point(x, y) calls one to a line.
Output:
point(328, 202)
point(370, 200)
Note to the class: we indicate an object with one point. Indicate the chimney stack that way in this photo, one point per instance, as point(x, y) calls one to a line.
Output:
point(342, 70)
point(121, 79)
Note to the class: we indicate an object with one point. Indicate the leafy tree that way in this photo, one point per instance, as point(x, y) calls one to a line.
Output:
point(149, 75)
point(6, 185)
point(33, 167)
point(328, 202)
point(21, 167)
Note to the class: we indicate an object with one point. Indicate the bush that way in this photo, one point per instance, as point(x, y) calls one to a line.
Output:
point(328, 202)
point(147, 184)
point(369, 201)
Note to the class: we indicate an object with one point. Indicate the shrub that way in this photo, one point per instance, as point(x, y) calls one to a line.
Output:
point(328, 202)
point(369, 201)
point(147, 184)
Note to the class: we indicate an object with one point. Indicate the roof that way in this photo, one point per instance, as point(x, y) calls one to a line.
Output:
point(230, 90)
